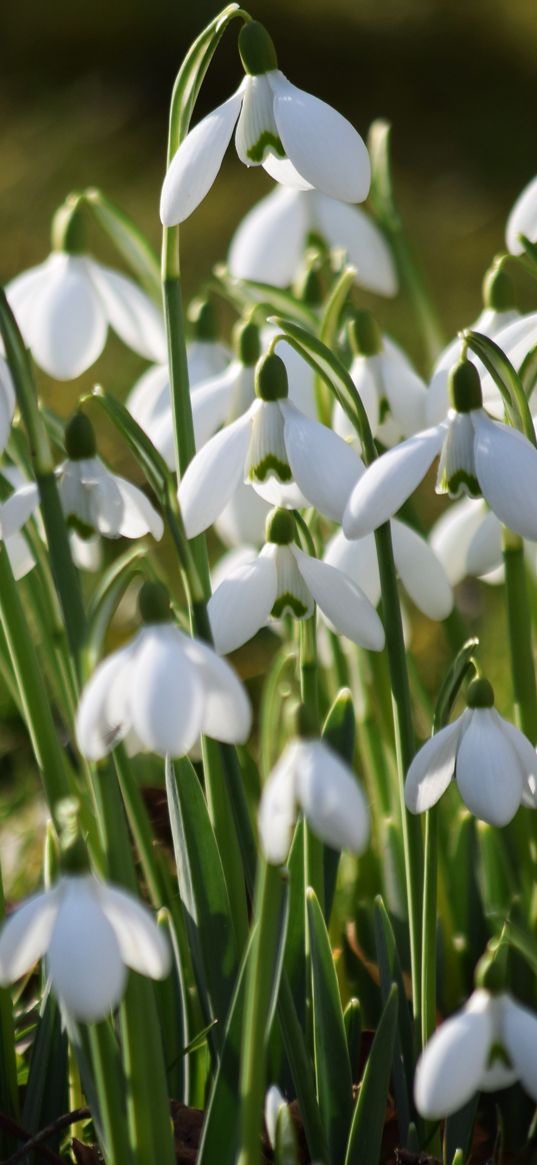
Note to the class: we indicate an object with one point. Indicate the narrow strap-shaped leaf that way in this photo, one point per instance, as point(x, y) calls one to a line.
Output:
point(286, 1146)
point(454, 678)
point(332, 1066)
point(202, 884)
point(110, 591)
point(190, 76)
point(506, 379)
point(496, 878)
point(365, 1137)
point(458, 1132)
point(245, 293)
point(45, 1096)
point(300, 1065)
point(352, 1017)
point(339, 731)
point(403, 1058)
point(129, 241)
point(149, 459)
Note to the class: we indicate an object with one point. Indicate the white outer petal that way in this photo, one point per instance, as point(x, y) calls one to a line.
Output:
point(323, 146)
point(520, 1036)
point(165, 693)
point(206, 358)
point(150, 397)
point(142, 944)
point(344, 606)
point(277, 810)
point(69, 325)
point(211, 402)
point(130, 313)
point(268, 244)
point(433, 768)
point(364, 373)
point(451, 536)
point(405, 392)
point(527, 757)
point(243, 518)
point(348, 227)
point(324, 467)
point(282, 170)
point(450, 1068)
point(241, 605)
point(488, 772)
point(102, 718)
point(194, 167)
point(26, 934)
point(421, 573)
point(226, 713)
point(485, 549)
point(20, 556)
point(522, 219)
point(506, 468)
point(213, 475)
point(84, 960)
point(139, 515)
point(330, 797)
point(389, 481)
point(17, 509)
point(358, 559)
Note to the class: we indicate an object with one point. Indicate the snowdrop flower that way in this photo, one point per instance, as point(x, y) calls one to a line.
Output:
point(392, 393)
point(523, 219)
point(161, 691)
point(478, 456)
point(274, 1100)
point(93, 498)
point(488, 1045)
point(494, 764)
point(269, 446)
point(468, 541)
point(298, 139)
point(421, 571)
point(65, 306)
point(310, 778)
point(15, 511)
point(270, 241)
point(499, 312)
point(90, 932)
point(283, 580)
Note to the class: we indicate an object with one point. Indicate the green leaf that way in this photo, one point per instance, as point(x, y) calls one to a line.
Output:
point(381, 193)
point(450, 687)
point(458, 1132)
point(300, 1065)
point(352, 1018)
point(295, 958)
point(190, 76)
point(45, 1096)
point(199, 1040)
point(365, 1137)
point(149, 459)
point(335, 375)
point(203, 888)
point(129, 241)
point(339, 731)
point(506, 380)
point(248, 293)
point(286, 1146)
point(403, 1056)
point(106, 598)
point(332, 1066)
point(496, 879)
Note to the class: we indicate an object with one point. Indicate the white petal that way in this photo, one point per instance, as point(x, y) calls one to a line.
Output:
point(273, 1102)
point(323, 146)
point(345, 607)
point(142, 944)
point(523, 219)
point(213, 475)
point(277, 812)
point(487, 771)
point(520, 1037)
point(130, 313)
point(242, 604)
point(285, 494)
point(293, 596)
point(451, 536)
point(165, 694)
point(432, 768)
point(268, 244)
point(17, 509)
point(358, 559)
point(506, 466)
point(256, 132)
point(194, 167)
point(364, 372)
point(527, 757)
point(282, 170)
point(26, 935)
point(84, 960)
point(485, 549)
point(102, 718)
point(324, 467)
point(206, 358)
point(211, 402)
point(450, 1068)
point(243, 519)
point(389, 481)
point(330, 797)
point(405, 392)
point(150, 397)
point(101, 493)
point(230, 561)
point(139, 515)
point(86, 552)
point(20, 556)
point(348, 227)
point(24, 290)
point(421, 573)
point(69, 327)
point(227, 714)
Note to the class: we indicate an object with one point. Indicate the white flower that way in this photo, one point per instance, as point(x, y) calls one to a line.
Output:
point(273, 446)
point(310, 778)
point(467, 539)
point(100, 500)
point(392, 393)
point(488, 1045)
point(90, 932)
point(523, 219)
point(297, 138)
point(494, 764)
point(274, 1100)
point(477, 456)
point(271, 239)
point(14, 513)
point(161, 692)
point(491, 323)
point(65, 306)
point(283, 580)
point(419, 568)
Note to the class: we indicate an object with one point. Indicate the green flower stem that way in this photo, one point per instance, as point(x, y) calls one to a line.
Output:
point(49, 754)
point(405, 748)
point(313, 848)
point(428, 949)
point(267, 902)
point(520, 644)
point(110, 1090)
point(9, 1095)
point(221, 814)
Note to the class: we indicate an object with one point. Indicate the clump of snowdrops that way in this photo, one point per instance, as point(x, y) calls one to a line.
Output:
point(324, 946)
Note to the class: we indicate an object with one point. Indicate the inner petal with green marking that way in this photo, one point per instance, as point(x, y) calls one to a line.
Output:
point(267, 456)
point(292, 594)
point(456, 471)
point(257, 134)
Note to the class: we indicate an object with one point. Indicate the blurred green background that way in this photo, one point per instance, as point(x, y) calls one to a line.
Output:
point(85, 89)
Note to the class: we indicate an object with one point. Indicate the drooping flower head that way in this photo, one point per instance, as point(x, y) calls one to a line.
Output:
point(298, 139)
